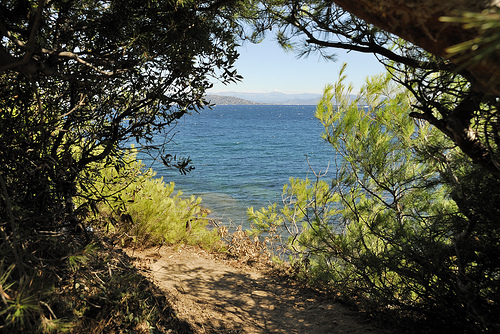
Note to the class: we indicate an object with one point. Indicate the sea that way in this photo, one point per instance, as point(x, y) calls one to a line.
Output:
point(243, 156)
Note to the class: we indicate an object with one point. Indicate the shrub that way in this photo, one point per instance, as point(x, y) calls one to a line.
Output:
point(405, 223)
point(144, 210)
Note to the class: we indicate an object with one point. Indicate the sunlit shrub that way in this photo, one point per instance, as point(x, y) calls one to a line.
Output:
point(139, 208)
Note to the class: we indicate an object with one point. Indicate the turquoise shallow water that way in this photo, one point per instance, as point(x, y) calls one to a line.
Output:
point(243, 155)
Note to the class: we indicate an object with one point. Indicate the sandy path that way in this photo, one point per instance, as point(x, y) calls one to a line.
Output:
point(220, 296)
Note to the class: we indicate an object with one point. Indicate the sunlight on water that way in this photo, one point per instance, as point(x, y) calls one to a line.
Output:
point(243, 155)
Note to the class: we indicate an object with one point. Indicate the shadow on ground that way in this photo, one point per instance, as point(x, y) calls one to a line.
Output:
point(218, 296)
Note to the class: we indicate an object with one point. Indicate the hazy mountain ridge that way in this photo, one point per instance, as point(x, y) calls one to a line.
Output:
point(277, 98)
point(229, 100)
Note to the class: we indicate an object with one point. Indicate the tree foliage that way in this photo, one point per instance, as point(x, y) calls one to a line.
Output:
point(81, 78)
point(447, 93)
point(399, 223)
point(79, 81)
point(436, 26)
point(406, 223)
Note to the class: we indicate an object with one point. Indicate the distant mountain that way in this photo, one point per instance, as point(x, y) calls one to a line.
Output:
point(267, 98)
point(277, 97)
point(228, 100)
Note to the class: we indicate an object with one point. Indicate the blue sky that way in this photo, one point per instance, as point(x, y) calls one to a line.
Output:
point(266, 67)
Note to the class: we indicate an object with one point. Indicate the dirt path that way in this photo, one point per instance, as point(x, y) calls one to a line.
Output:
point(221, 296)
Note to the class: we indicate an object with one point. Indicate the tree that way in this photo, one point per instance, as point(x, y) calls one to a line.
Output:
point(429, 25)
point(468, 115)
point(80, 80)
point(390, 225)
point(349, 228)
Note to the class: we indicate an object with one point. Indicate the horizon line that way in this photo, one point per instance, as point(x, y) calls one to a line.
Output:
point(268, 92)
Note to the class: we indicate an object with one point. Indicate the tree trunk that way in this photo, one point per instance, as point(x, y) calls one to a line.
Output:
point(418, 21)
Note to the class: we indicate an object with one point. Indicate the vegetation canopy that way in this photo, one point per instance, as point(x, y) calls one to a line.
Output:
point(409, 221)
point(79, 78)
point(407, 224)
point(79, 81)
point(447, 91)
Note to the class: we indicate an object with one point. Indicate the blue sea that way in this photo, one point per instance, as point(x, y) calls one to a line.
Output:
point(243, 155)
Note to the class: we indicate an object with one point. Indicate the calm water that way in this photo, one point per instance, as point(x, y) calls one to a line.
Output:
point(243, 155)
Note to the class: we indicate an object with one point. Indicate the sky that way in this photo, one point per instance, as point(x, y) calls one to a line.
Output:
point(266, 67)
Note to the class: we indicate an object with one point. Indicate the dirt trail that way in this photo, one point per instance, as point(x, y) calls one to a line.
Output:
point(221, 296)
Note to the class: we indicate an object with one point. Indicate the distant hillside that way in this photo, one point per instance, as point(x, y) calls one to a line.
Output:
point(228, 100)
point(239, 98)
point(277, 97)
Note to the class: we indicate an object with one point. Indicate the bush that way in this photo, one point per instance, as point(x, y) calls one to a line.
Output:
point(138, 208)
